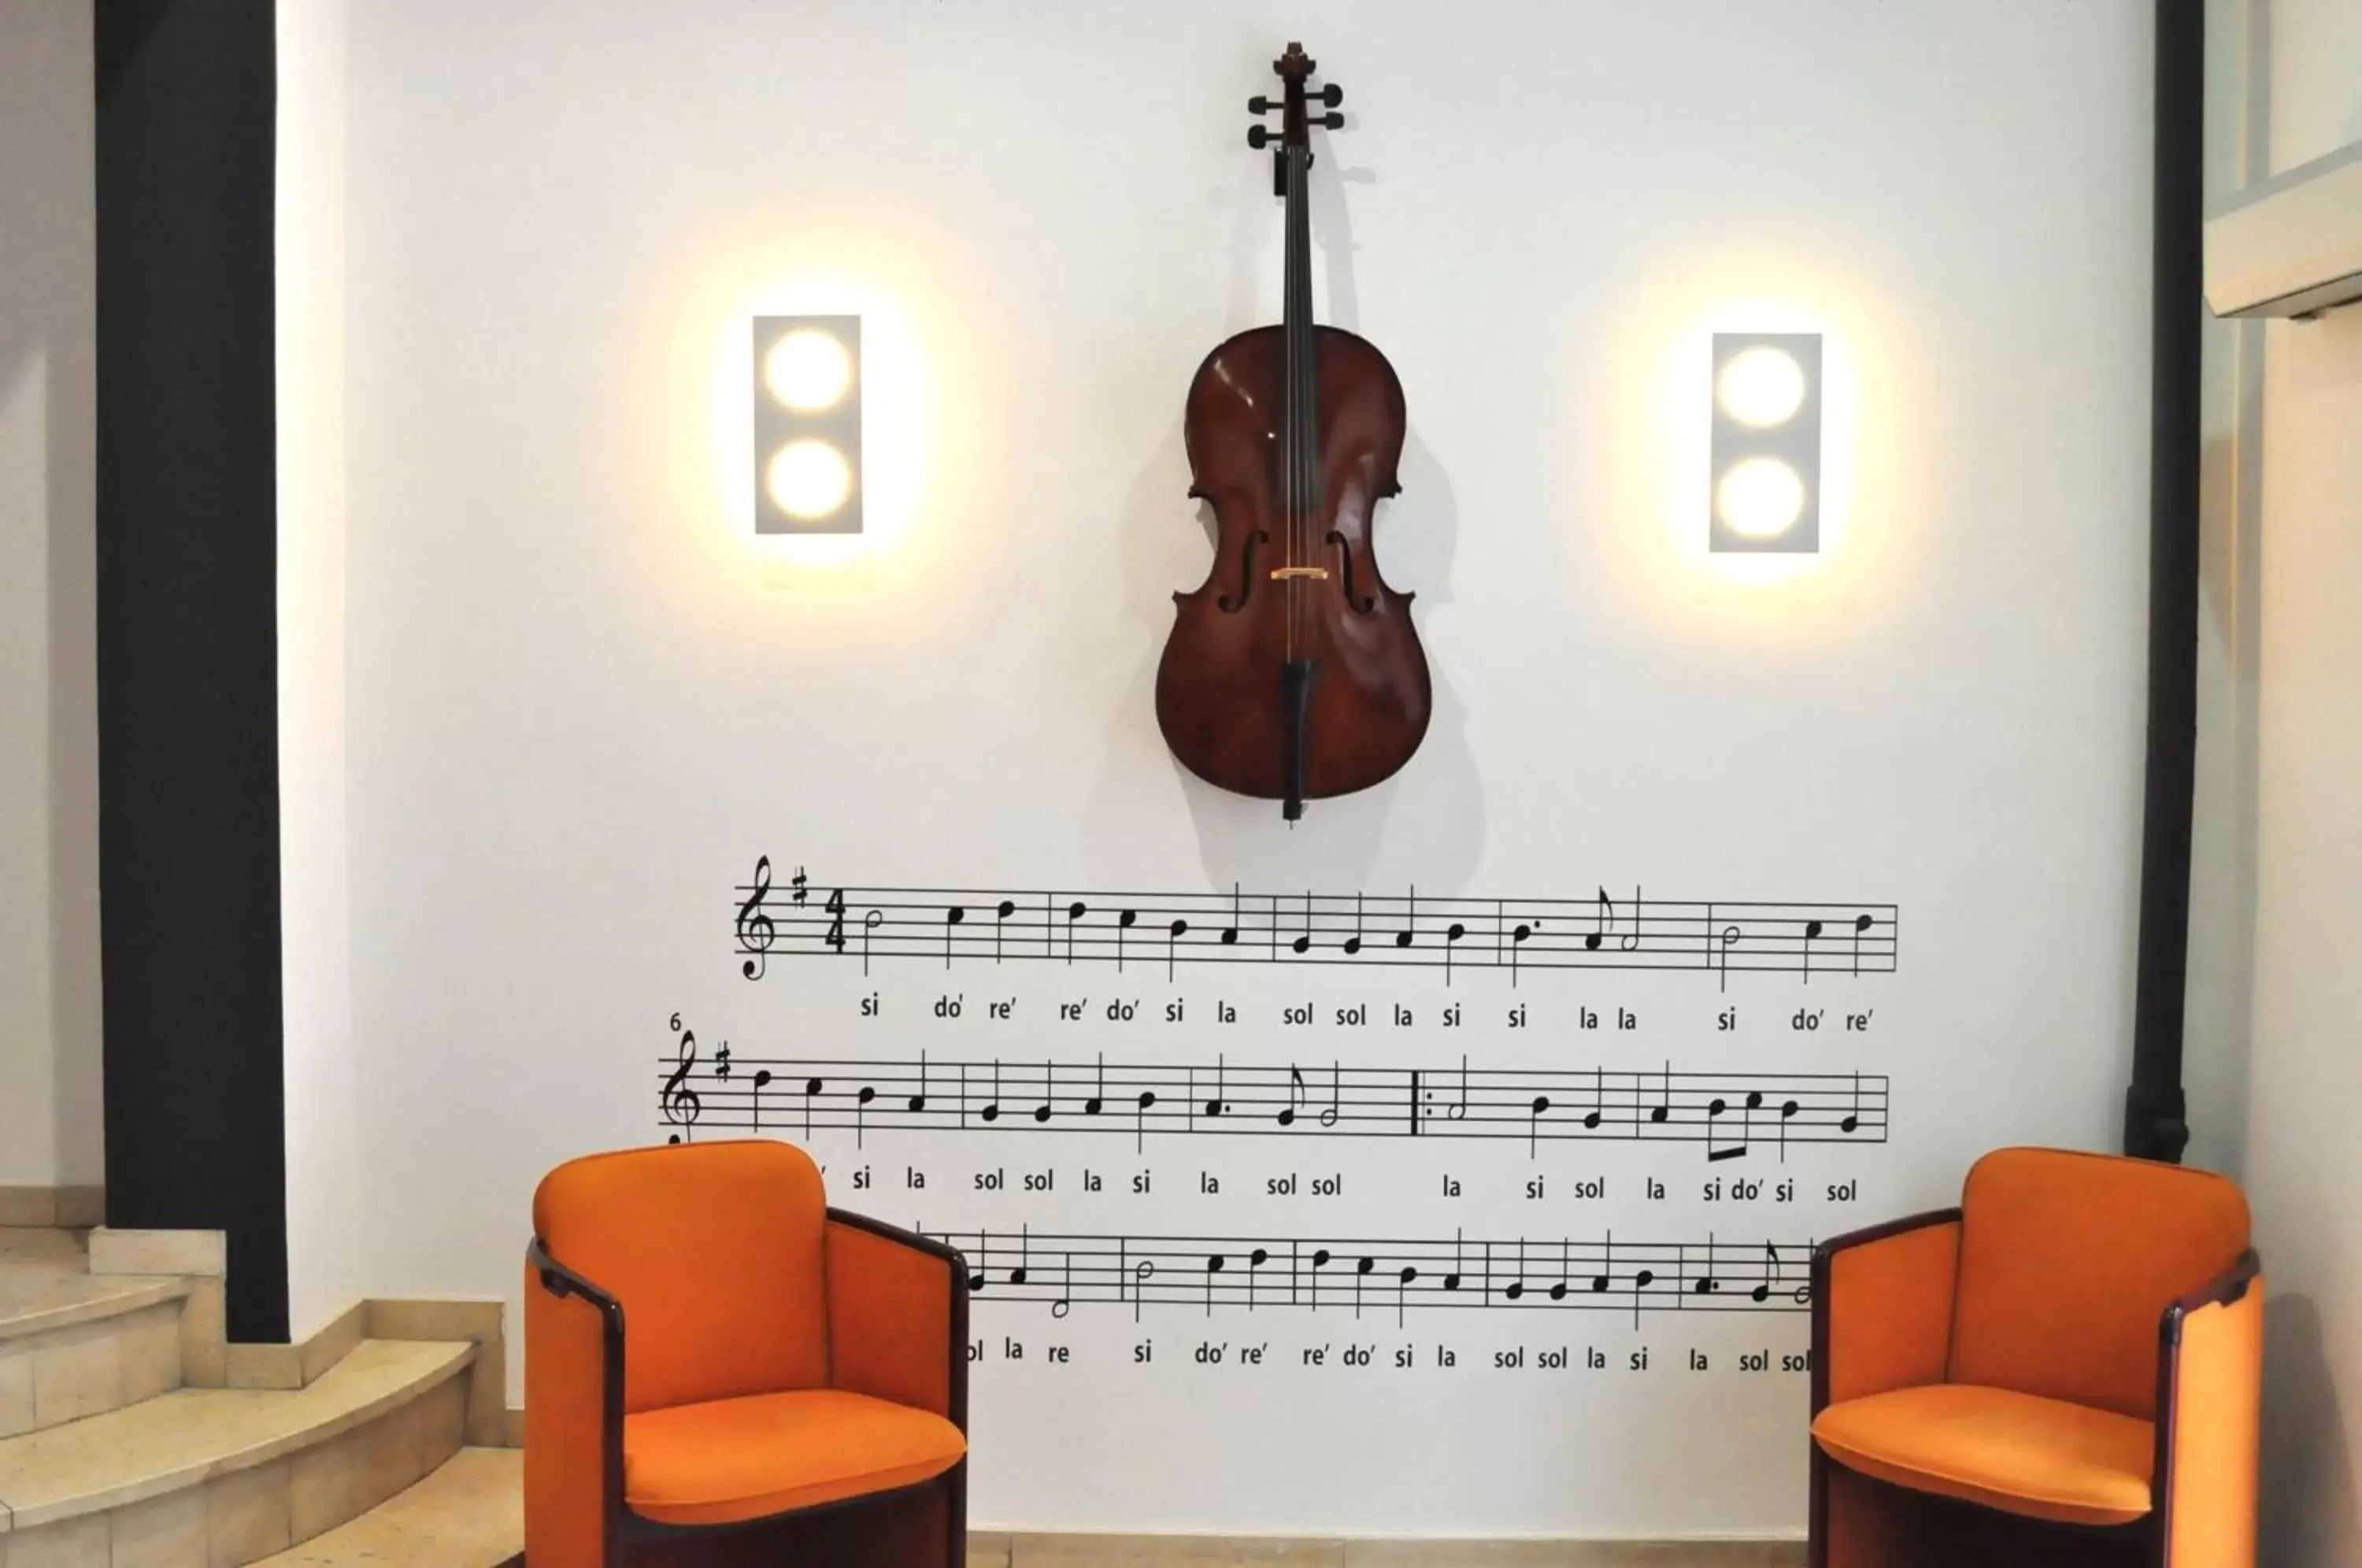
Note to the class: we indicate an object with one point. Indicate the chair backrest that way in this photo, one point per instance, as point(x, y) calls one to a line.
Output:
point(2067, 1261)
point(715, 1251)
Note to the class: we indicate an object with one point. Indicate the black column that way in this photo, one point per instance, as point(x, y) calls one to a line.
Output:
point(2156, 1120)
point(188, 636)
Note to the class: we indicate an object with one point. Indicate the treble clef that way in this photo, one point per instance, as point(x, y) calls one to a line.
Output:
point(679, 1102)
point(756, 931)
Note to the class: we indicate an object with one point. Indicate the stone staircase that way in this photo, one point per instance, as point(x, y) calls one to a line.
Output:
point(123, 1445)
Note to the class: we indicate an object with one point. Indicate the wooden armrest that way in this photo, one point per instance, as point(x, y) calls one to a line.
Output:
point(1882, 1307)
point(2210, 1411)
point(897, 1316)
point(573, 1416)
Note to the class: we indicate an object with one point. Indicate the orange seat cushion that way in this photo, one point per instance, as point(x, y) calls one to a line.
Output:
point(2018, 1453)
point(769, 1453)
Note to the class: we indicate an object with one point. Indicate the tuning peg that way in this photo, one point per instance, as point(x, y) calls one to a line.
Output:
point(1258, 135)
point(1259, 105)
point(1332, 95)
point(1330, 122)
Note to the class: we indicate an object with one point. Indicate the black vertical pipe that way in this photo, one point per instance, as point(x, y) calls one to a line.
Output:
point(188, 698)
point(2156, 1113)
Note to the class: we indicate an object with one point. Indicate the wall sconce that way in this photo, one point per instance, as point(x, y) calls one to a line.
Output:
point(1766, 494)
point(806, 423)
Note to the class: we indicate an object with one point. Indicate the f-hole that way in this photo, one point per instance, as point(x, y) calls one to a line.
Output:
point(1232, 604)
point(1345, 570)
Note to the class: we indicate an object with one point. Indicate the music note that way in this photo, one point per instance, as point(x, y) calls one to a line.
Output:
point(1630, 941)
point(1714, 1113)
point(1065, 1302)
point(1075, 913)
point(1008, 908)
point(1353, 943)
point(1402, 1291)
point(1788, 1108)
point(869, 924)
point(1140, 1118)
point(1812, 935)
point(1565, 1269)
point(1707, 1283)
point(1598, 1111)
point(1723, 945)
point(919, 1100)
point(1763, 1291)
point(1599, 1281)
point(1294, 1095)
point(1459, 1260)
point(1361, 1272)
point(1123, 922)
point(679, 1103)
point(1852, 1121)
point(762, 1080)
point(756, 931)
point(1410, 919)
point(1664, 1109)
point(1517, 1287)
point(1255, 1260)
point(1213, 1267)
point(1172, 944)
point(1092, 1106)
point(1319, 1262)
point(1860, 924)
point(1144, 1271)
point(1605, 919)
point(1231, 931)
point(1335, 1095)
point(1024, 1255)
point(952, 917)
point(861, 1114)
point(1519, 934)
point(1216, 1106)
point(1452, 936)
point(1304, 942)
point(1041, 1111)
point(991, 1113)
point(812, 1087)
point(1534, 1123)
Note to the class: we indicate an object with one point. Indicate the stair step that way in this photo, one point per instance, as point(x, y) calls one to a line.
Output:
point(74, 1344)
point(469, 1514)
point(230, 1475)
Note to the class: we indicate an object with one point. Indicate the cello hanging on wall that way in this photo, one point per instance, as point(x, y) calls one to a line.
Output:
point(1294, 673)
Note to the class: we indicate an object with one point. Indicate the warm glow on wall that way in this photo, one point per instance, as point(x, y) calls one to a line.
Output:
point(817, 359)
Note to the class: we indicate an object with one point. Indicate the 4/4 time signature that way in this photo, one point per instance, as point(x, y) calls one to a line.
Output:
point(1730, 1113)
point(1061, 1272)
point(1382, 931)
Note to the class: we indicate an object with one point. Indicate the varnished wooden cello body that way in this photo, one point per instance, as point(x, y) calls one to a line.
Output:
point(1294, 673)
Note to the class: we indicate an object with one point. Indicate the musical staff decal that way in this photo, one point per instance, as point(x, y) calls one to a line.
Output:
point(965, 925)
point(1731, 1114)
point(1208, 1273)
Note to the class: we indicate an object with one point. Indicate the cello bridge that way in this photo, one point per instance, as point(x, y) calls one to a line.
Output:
point(1286, 571)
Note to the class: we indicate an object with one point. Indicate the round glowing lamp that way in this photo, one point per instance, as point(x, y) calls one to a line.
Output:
point(808, 370)
point(1761, 387)
point(1759, 499)
point(808, 480)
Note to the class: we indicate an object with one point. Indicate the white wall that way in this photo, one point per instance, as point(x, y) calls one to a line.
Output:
point(51, 1115)
point(2303, 1169)
point(326, 1247)
point(579, 701)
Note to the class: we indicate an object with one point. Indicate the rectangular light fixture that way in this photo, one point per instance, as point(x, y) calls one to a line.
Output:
point(1766, 494)
point(807, 372)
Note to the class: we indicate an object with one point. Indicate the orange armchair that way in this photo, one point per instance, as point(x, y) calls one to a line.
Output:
point(2065, 1369)
point(793, 1382)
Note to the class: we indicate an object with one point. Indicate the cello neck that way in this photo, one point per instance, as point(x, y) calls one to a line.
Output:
point(1300, 395)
